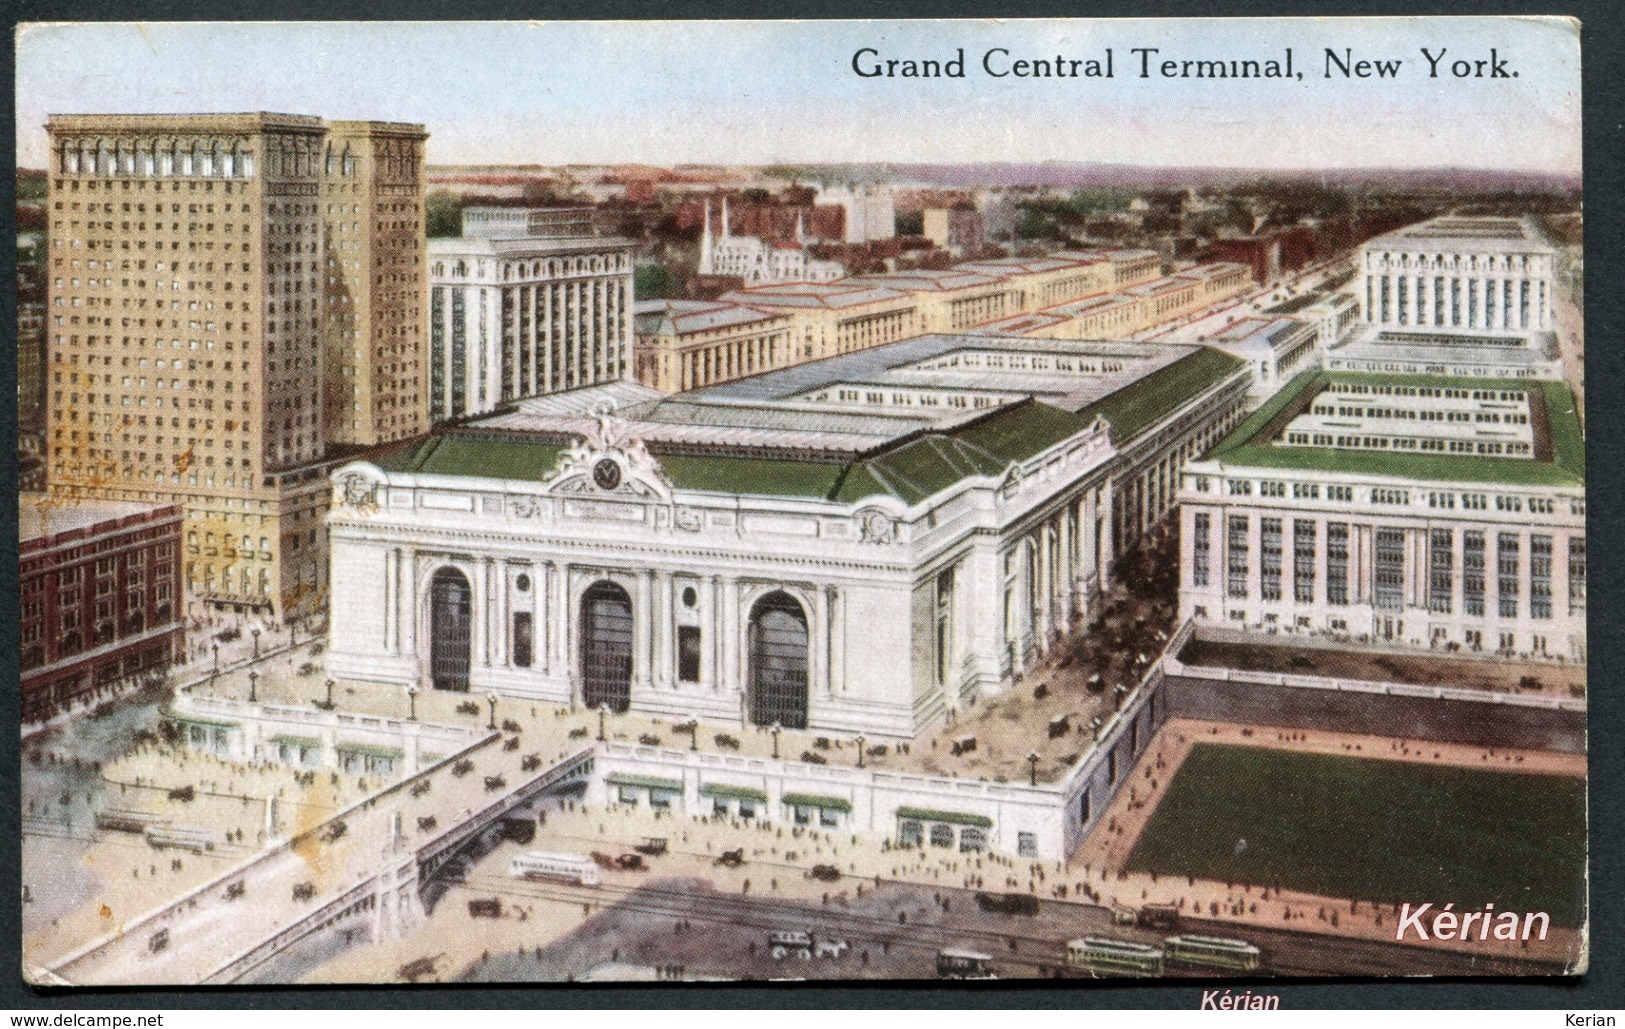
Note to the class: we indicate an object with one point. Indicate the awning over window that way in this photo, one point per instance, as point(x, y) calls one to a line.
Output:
point(367, 750)
point(298, 741)
point(814, 800)
point(717, 789)
point(176, 716)
point(647, 782)
point(920, 814)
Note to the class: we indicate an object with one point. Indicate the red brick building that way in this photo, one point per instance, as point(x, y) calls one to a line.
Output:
point(100, 596)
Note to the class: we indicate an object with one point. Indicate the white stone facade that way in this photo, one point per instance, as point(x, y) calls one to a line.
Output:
point(1460, 273)
point(514, 318)
point(970, 585)
point(1439, 564)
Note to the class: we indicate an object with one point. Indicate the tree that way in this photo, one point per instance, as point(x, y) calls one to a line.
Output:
point(653, 282)
point(443, 215)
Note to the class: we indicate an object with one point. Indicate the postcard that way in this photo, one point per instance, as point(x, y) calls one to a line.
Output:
point(694, 502)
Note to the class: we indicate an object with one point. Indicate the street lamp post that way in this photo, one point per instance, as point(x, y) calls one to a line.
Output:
point(694, 736)
point(256, 634)
point(216, 647)
point(860, 751)
point(1032, 760)
point(330, 685)
point(253, 682)
point(602, 709)
point(412, 700)
point(777, 728)
point(491, 699)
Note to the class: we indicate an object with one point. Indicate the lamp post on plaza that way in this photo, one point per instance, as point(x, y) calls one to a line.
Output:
point(412, 700)
point(253, 683)
point(256, 634)
point(1032, 760)
point(777, 728)
point(491, 699)
point(216, 647)
point(602, 709)
point(860, 751)
point(330, 685)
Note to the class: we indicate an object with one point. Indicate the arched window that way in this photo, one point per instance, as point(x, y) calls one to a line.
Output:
point(606, 647)
point(348, 163)
point(778, 662)
point(327, 163)
point(450, 623)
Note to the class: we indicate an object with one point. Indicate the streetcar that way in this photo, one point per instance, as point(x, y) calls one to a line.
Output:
point(534, 864)
point(964, 964)
point(179, 837)
point(1212, 952)
point(1114, 957)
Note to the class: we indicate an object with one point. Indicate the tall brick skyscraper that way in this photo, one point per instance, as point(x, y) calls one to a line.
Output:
point(235, 303)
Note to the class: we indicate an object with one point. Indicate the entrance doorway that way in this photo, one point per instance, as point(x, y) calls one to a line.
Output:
point(606, 647)
point(778, 662)
point(450, 621)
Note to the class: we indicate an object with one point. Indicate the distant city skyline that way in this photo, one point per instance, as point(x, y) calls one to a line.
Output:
point(786, 92)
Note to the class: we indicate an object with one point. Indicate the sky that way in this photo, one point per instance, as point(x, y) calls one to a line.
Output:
point(786, 92)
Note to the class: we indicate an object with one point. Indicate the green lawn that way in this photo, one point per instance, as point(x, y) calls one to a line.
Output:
point(1373, 830)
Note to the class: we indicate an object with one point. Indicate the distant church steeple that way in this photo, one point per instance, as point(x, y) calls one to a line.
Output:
point(706, 244)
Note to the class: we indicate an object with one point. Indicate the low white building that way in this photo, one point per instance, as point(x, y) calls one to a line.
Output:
point(861, 544)
point(1276, 349)
point(1436, 511)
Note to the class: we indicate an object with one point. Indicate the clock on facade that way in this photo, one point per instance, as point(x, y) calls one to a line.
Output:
point(607, 474)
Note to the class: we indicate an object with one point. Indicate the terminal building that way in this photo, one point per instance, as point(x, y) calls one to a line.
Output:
point(1433, 511)
point(863, 544)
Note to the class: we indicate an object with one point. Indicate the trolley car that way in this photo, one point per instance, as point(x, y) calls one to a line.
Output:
point(573, 868)
point(1114, 957)
point(964, 964)
point(1212, 952)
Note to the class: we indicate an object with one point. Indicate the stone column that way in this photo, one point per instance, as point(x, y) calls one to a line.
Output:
point(664, 630)
point(837, 639)
point(392, 640)
point(711, 619)
point(642, 631)
point(732, 661)
point(818, 646)
point(541, 308)
point(499, 639)
point(558, 616)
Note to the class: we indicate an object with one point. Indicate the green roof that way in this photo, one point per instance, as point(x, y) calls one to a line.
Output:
point(911, 469)
point(817, 800)
point(921, 814)
point(1143, 403)
point(717, 789)
point(1247, 446)
point(755, 475)
point(487, 456)
point(648, 782)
